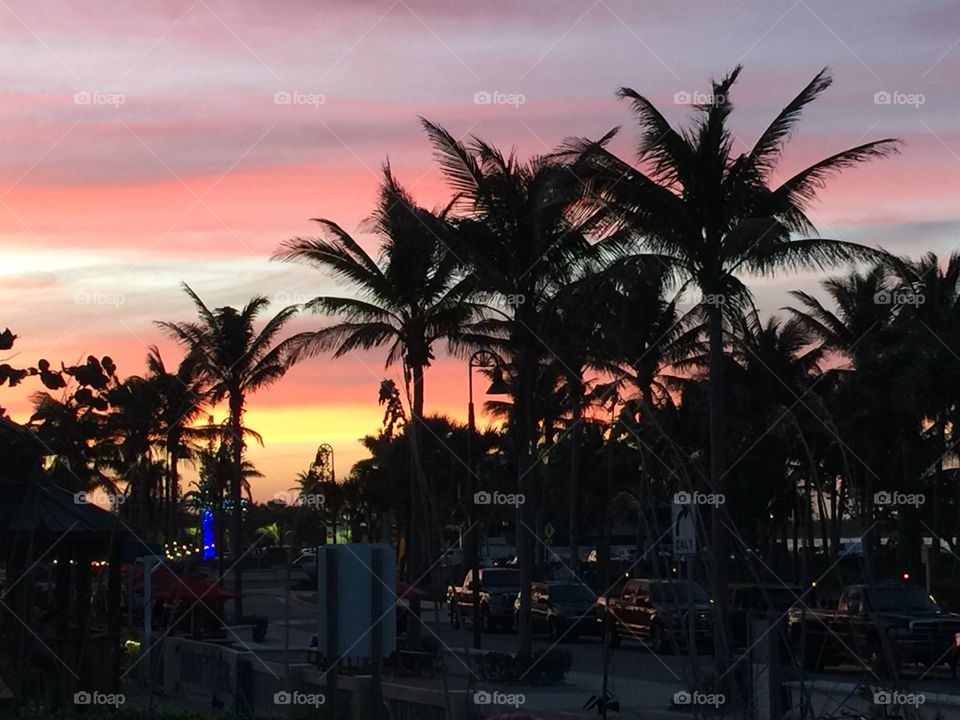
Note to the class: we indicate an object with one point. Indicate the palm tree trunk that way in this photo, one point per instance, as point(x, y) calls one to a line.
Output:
point(719, 534)
point(524, 439)
point(236, 484)
point(418, 550)
point(574, 517)
point(173, 486)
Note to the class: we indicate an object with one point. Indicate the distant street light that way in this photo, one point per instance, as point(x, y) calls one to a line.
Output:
point(326, 471)
point(324, 462)
point(498, 386)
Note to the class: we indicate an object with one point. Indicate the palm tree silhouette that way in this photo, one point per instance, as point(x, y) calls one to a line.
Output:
point(407, 301)
point(521, 239)
point(234, 360)
point(410, 298)
point(182, 402)
point(707, 214)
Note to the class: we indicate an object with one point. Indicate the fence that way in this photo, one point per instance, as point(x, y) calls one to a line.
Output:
point(244, 682)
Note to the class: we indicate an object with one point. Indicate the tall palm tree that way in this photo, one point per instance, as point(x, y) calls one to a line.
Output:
point(653, 349)
point(134, 426)
point(709, 215)
point(234, 360)
point(408, 299)
point(861, 331)
point(929, 290)
point(777, 362)
point(183, 400)
point(521, 239)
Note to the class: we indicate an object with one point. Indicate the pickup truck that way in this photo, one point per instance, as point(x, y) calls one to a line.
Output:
point(656, 612)
point(918, 629)
point(498, 588)
point(563, 609)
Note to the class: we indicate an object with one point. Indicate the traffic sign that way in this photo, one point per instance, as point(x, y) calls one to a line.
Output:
point(684, 529)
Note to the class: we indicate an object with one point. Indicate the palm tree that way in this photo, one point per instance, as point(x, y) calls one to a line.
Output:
point(777, 362)
point(410, 298)
point(133, 424)
point(183, 399)
point(708, 215)
point(270, 533)
point(521, 240)
point(930, 318)
point(653, 349)
point(233, 360)
point(868, 407)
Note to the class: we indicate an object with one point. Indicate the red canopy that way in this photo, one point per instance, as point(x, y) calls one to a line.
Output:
point(190, 588)
point(166, 586)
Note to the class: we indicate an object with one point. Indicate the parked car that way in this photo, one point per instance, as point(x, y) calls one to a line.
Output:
point(753, 601)
point(306, 562)
point(498, 588)
point(918, 629)
point(657, 612)
point(273, 555)
point(562, 609)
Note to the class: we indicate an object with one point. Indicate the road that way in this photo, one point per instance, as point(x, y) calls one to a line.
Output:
point(639, 678)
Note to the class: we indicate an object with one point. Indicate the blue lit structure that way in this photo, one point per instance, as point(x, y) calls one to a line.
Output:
point(207, 536)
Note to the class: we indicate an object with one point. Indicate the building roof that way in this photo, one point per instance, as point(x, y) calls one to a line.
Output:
point(42, 507)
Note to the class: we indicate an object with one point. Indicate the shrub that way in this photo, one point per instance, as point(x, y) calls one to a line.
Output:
point(544, 667)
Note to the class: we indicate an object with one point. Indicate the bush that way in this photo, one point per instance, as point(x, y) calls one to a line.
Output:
point(549, 666)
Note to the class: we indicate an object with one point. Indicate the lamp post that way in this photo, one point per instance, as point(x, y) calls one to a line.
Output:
point(605, 558)
point(326, 471)
point(325, 462)
point(498, 386)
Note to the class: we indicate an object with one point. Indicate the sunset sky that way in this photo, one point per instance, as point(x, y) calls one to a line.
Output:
point(151, 143)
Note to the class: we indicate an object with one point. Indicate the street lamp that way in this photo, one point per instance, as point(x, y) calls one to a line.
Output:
point(324, 462)
point(324, 467)
point(498, 386)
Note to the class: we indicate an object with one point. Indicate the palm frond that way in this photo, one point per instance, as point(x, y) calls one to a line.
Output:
point(765, 153)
